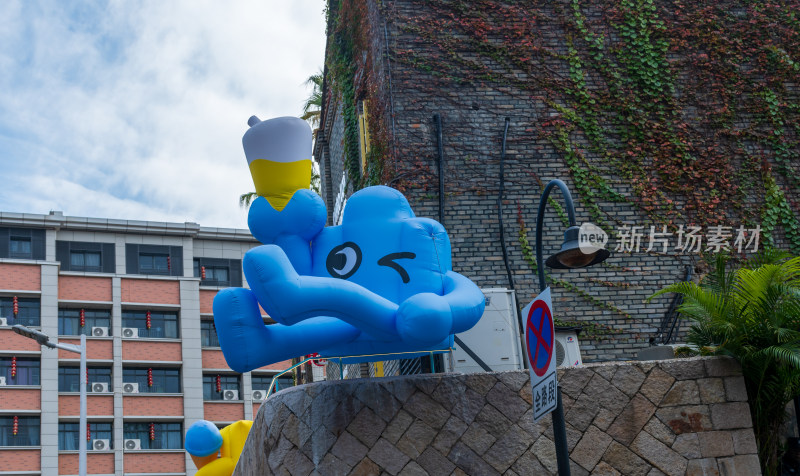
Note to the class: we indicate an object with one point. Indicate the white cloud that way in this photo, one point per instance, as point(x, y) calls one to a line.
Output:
point(136, 109)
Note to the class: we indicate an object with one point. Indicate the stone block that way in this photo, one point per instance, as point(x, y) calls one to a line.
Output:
point(412, 469)
point(660, 431)
point(715, 444)
point(744, 442)
point(426, 409)
point(469, 462)
point(605, 469)
point(625, 461)
point(573, 382)
point(582, 412)
point(528, 464)
point(686, 419)
point(685, 369)
point(702, 467)
point(332, 465)
point(629, 379)
point(656, 385)
point(388, 457)
point(683, 392)
point(604, 419)
point(659, 454)
point(632, 419)
point(434, 462)
point(687, 445)
point(722, 367)
point(493, 421)
point(297, 463)
point(545, 451)
point(399, 424)
point(366, 467)
point(742, 465)
point(712, 390)
point(477, 438)
point(514, 380)
point(507, 401)
point(367, 427)
point(605, 394)
point(735, 389)
point(348, 449)
point(480, 382)
point(727, 416)
point(416, 439)
point(590, 448)
point(448, 435)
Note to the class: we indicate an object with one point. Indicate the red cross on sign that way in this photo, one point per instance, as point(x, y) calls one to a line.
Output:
point(540, 335)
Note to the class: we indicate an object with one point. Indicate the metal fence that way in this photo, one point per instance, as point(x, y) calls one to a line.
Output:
point(441, 361)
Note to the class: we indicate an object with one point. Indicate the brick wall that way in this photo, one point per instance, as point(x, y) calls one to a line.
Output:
point(20, 277)
point(102, 463)
point(151, 351)
point(223, 411)
point(78, 288)
point(207, 301)
point(20, 460)
point(151, 291)
point(97, 405)
point(686, 416)
point(96, 348)
point(151, 405)
point(213, 359)
point(10, 340)
point(20, 398)
point(152, 462)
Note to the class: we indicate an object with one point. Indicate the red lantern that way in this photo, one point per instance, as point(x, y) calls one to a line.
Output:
point(149, 377)
point(14, 367)
point(83, 318)
point(16, 306)
point(169, 263)
point(202, 272)
point(152, 431)
point(88, 432)
point(16, 425)
point(87, 376)
point(148, 320)
point(219, 384)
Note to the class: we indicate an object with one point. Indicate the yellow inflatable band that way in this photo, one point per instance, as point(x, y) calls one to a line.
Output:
point(277, 181)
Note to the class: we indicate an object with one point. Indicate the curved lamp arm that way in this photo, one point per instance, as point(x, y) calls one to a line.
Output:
point(540, 220)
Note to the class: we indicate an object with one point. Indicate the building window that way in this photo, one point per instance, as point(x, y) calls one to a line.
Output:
point(212, 391)
point(27, 431)
point(218, 272)
point(262, 382)
point(68, 434)
point(86, 256)
point(162, 324)
point(20, 247)
point(25, 370)
point(167, 436)
point(69, 321)
point(28, 315)
point(69, 381)
point(208, 334)
point(165, 380)
point(84, 261)
point(154, 259)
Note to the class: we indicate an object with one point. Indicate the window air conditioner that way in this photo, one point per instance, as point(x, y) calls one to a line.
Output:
point(230, 395)
point(2, 382)
point(130, 332)
point(259, 395)
point(100, 445)
point(130, 387)
point(568, 353)
point(3, 322)
point(100, 387)
point(99, 331)
point(133, 445)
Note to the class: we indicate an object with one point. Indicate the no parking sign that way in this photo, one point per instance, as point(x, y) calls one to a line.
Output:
point(540, 340)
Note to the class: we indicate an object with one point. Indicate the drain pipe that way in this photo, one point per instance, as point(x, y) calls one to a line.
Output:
point(437, 120)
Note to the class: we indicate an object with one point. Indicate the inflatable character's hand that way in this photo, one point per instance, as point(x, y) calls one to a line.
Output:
point(215, 452)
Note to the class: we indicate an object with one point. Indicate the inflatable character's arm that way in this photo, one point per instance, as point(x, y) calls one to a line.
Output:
point(215, 452)
point(292, 228)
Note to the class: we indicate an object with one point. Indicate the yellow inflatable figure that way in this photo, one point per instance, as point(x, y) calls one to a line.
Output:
point(216, 452)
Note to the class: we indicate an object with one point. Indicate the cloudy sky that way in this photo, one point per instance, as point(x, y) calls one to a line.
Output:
point(135, 109)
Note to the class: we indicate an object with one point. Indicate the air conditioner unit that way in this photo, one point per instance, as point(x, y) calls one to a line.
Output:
point(133, 445)
point(568, 353)
point(259, 395)
point(2, 382)
point(99, 331)
point(130, 387)
point(3, 322)
point(99, 387)
point(100, 445)
point(230, 395)
point(130, 332)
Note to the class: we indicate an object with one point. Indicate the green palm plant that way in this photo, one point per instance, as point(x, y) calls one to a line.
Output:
point(753, 315)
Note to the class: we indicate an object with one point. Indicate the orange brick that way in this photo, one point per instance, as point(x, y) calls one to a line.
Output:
point(20, 460)
point(214, 359)
point(10, 340)
point(144, 462)
point(148, 405)
point(207, 301)
point(278, 365)
point(147, 291)
point(223, 411)
point(100, 463)
point(95, 349)
point(20, 398)
point(20, 277)
point(151, 351)
point(96, 405)
point(78, 288)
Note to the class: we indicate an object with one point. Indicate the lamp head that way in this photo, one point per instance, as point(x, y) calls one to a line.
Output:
point(39, 337)
point(572, 256)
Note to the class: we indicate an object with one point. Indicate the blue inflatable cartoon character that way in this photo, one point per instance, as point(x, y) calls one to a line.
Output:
point(379, 283)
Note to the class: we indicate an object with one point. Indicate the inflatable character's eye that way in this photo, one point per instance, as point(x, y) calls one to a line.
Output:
point(344, 260)
point(388, 260)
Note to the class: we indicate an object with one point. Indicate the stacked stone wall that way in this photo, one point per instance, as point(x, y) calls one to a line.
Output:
point(687, 416)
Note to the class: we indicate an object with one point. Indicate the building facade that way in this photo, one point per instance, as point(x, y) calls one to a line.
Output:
point(142, 293)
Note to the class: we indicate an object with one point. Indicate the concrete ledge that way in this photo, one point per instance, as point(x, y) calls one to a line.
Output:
point(684, 416)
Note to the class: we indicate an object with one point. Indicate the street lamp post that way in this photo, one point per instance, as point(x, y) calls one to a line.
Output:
point(44, 339)
point(570, 257)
